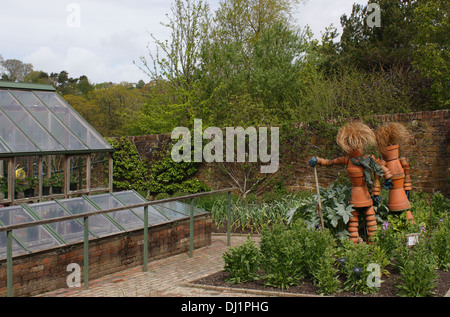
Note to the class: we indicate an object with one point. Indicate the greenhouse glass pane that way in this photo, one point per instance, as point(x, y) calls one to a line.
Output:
point(48, 120)
point(131, 198)
point(70, 230)
point(28, 124)
point(34, 238)
point(3, 148)
point(17, 249)
point(15, 138)
point(126, 218)
point(98, 224)
point(73, 120)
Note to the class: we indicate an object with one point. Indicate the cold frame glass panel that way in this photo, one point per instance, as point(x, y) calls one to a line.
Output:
point(28, 124)
point(17, 249)
point(181, 207)
point(73, 120)
point(131, 198)
point(70, 230)
point(98, 224)
point(34, 238)
point(48, 120)
point(15, 138)
point(169, 213)
point(126, 218)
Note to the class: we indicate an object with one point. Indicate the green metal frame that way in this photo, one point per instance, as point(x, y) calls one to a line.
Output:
point(26, 86)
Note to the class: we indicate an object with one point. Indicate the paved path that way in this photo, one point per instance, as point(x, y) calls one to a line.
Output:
point(165, 277)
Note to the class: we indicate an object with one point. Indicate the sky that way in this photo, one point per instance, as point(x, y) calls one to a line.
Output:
point(102, 38)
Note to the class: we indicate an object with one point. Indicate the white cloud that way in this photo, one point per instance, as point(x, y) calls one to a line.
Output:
point(112, 34)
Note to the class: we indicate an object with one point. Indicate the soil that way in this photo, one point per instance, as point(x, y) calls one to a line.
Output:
point(388, 286)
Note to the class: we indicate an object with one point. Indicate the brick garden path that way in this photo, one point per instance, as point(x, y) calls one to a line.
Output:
point(165, 277)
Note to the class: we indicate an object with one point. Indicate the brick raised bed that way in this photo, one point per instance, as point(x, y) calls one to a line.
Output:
point(45, 271)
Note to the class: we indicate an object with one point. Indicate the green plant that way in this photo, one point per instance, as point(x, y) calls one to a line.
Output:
point(325, 274)
point(361, 256)
point(336, 209)
point(3, 185)
point(440, 244)
point(57, 180)
point(283, 255)
point(418, 272)
point(129, 170)
point(242, 262)
point(32, 182)
point(319, 260)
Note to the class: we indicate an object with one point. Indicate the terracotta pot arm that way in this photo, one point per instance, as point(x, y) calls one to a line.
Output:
point(337, 161)
point(407, 184)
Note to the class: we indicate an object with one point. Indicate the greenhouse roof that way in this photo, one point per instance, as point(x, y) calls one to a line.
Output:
point(35, 120)
point(57, 234)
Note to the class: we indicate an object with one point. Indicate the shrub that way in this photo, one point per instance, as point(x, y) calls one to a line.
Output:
point(361, 256)
point(242, 262)
point(418, 272)
point(319, 260)
point(440, 244)
point(295, 252)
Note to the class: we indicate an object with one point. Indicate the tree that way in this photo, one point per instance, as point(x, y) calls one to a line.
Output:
point(39, 77)
point(89, 111)
point(384, 47)
point(118, 106)
point(189, 27)
point(15, 70)
point(246, 20)
point(431, 56)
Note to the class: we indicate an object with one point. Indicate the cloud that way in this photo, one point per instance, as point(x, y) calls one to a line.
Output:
point(112, 34)
point(79, 61)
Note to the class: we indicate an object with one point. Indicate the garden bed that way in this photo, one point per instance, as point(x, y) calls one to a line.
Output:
point(388, 286)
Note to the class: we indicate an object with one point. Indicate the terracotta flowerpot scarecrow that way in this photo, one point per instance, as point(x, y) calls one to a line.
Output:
point(353, 138)
point(389, 137)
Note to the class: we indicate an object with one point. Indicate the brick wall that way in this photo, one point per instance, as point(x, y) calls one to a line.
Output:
point(45, 271)
point(428, 155)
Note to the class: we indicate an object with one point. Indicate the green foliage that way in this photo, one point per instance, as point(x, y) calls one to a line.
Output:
point(320, 248)
point(440, 244)
point(431, 55)
point(290, 254)
point(164, 175)
point(360, 256)
point(249, 213)
point(242, 262)
point(283, 255)
point(129, 170)
point(336, 209)
point(168, 176)
point(418, 272)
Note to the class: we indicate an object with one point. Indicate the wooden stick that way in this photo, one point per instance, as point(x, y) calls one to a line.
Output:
point(318, 197)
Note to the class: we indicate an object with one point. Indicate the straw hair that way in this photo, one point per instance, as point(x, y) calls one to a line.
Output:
point(391, 134)
point(355, 136)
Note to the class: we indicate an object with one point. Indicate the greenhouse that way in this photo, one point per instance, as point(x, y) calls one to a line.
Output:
point(54, 235)
point(47, 150)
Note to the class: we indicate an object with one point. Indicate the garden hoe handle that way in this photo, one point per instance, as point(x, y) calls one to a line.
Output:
point(318, 197)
